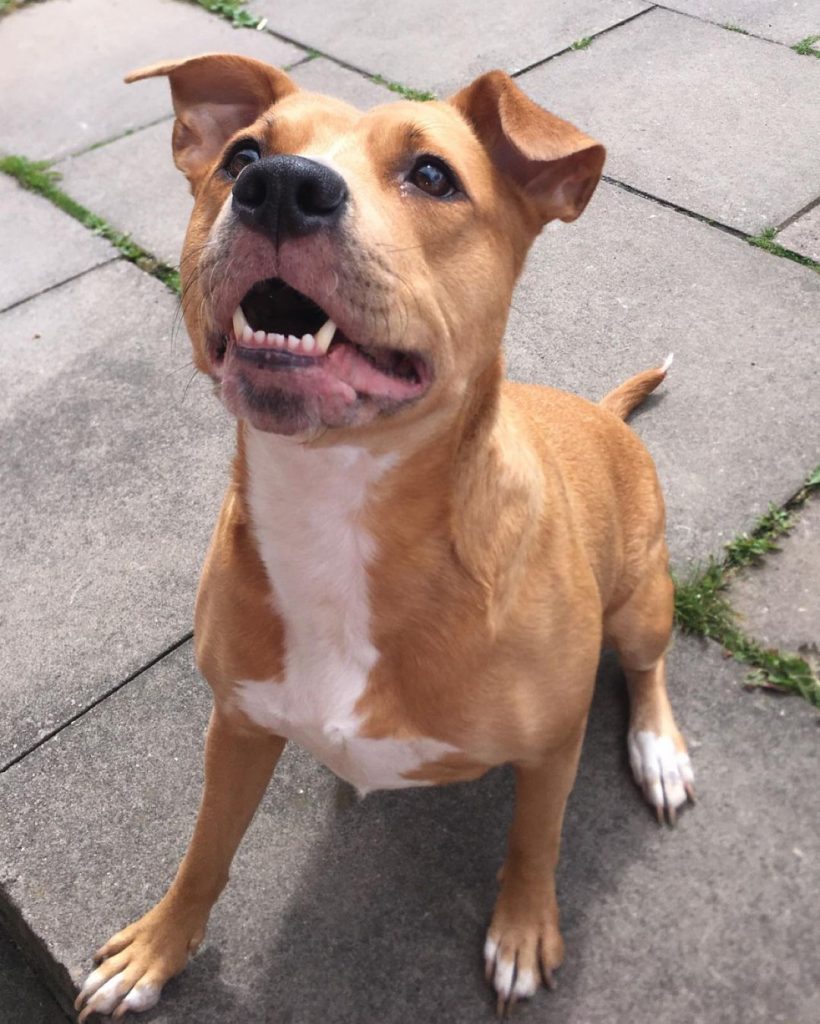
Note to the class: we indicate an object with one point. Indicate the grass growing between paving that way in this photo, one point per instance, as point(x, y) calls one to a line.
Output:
point(7, 6)
point(807, 47)
point(38, 177)
point(403, 90)
point(702, 608)
point(233, 11)
point(582, 44)
point(766, 240)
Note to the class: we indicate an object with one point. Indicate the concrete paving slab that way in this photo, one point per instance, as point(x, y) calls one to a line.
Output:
point(696, 115)
point(64, 105)
point(322, 75)
point(110, 480)
point(133, 182)
point(24, 999)
point(39, 245)
point(734, 427)
point(779, 601)
point(424, 46)
point(803, 235)
point(344, 911)
point(786, 21)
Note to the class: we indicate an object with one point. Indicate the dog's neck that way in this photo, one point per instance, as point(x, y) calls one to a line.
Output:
point(316, 508)
point(305, 478)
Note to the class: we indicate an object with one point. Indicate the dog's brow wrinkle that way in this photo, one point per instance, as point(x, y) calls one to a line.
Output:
point(413, 134)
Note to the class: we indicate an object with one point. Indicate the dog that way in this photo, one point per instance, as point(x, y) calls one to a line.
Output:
point(417, 562)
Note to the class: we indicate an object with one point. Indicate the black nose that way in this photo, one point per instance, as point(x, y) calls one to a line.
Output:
point(288, 196)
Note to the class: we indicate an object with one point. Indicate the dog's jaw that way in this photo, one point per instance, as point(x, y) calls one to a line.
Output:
point(358, 368)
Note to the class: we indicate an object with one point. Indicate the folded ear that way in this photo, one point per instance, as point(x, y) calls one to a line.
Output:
point(214, 96)
point(554, 164)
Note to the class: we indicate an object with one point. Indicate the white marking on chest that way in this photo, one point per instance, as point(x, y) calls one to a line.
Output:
point(306, 507)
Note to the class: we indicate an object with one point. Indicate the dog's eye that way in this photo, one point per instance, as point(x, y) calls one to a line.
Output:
point(246, 153)
point(433, 177)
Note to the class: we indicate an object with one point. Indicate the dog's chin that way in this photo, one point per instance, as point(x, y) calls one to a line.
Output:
point(298, 402)
point(282, 409)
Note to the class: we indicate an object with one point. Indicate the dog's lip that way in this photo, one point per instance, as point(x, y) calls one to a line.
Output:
point(366, 367)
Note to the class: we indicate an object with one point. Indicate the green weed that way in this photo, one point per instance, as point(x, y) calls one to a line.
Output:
point(766, 240)
point(806, 47)
point(703, 609)
point(404, 90)
point(233, 11)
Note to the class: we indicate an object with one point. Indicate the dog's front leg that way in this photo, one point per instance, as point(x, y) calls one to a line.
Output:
point(523, 940)
point(137, 961)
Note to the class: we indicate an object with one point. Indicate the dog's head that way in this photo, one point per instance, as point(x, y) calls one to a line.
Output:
point(347, 271)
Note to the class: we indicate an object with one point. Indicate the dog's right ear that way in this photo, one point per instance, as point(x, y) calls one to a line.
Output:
point(214, 96)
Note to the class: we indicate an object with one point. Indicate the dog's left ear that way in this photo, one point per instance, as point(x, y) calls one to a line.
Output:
point(553, 163)
point(215, 95)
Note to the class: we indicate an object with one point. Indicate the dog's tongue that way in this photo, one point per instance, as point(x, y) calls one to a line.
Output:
point(350, 367)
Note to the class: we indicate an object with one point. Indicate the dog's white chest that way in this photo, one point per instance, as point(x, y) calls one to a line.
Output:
point(305, 505)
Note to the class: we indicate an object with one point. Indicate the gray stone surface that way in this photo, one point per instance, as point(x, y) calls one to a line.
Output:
point(428, 46)
point(735, 426)
point(691, 113)
point(342, 911)
point(322, 75)
point(780, 600)
point(133, 182)
point(39, 245)
point(24, 999)
point(786, 21)
point(803, 235)
point(345, 911)
point(64, 105)
point(110, 480)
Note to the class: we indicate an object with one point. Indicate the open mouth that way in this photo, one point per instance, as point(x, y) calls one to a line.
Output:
point(277, 328)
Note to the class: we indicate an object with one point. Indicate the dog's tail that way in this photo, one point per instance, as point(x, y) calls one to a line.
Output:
point(632, 392)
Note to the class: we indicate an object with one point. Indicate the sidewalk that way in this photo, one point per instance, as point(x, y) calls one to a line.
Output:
point(703, 240)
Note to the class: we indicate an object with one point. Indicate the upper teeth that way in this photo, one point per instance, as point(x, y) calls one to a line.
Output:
point(306, 345)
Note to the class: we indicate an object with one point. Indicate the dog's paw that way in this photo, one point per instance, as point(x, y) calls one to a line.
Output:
point(136, 962)
point(662, 769)
point(518, 958)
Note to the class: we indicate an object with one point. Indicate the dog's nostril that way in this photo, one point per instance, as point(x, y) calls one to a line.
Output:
point(251, 189)
point(321, 196)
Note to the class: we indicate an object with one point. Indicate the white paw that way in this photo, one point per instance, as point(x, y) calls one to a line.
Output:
point(105, 994)
point(510, 984)
point(664, 774)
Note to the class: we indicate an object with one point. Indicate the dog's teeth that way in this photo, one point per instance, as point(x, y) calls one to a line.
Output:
point(307, 345)
point(324, 336)
point(239, 323)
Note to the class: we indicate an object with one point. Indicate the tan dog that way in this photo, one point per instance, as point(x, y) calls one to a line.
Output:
point(416, 563)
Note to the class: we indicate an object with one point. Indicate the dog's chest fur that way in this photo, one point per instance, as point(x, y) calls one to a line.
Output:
point(305, 506)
